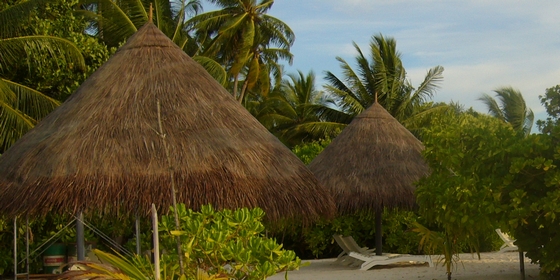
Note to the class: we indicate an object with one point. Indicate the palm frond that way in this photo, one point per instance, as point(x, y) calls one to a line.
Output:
point(345, 101)
point(83, 270)
point(16, 16)
point(280, 33)
point(309, 131)
point(163, 17)
point(118, 20)
point(409, 102)
point(214, 68)
point(513, 109)
point(424, 116)
point(12, 50)
point(365, 84)
point(428, 87)
point(264, 6)
point(328, 114)
point(493, 107)
point(124, 265)
point(13, 122)
point(273, 54)
point(244, 50)
point(29, 101)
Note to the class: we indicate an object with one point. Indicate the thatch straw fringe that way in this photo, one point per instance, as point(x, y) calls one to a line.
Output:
point(100, 150)
point(372, 164)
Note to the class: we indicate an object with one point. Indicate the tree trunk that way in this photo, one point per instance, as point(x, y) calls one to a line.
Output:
point(243, 90)
point(235, 83)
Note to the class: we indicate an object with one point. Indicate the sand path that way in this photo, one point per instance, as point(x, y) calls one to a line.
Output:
point(493, 266)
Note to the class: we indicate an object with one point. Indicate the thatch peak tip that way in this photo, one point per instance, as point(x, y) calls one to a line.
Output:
point(150, 15)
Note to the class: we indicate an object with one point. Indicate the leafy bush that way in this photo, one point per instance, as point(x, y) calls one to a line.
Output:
point(317, 240)
point(485, 176)
point(227, 243)
point(57, 78)
point(531, 195)
point(308, 151)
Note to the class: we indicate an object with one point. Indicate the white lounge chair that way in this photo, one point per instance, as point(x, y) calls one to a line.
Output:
point(348, 244)
point(370, 261)
point(508, 242)
point(367, 259)
point(354, 247)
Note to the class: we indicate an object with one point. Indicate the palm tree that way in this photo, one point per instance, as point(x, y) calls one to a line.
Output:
point(240, 36)
point(512, 109)
point(292, 111)
point(383, 78)
point(115, 21)
point(22, 107)
point(261, 64)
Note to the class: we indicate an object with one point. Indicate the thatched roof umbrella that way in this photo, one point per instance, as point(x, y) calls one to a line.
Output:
point(373, 163)
point(101, 150)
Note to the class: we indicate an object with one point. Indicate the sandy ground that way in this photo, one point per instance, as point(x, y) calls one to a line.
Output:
point(493, 266)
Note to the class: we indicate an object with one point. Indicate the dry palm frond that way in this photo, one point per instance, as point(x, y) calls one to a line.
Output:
point(83, 270)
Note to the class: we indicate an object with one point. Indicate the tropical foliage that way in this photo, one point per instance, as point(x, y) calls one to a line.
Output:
point(551, 102)
point(460, 196)
point(244, 38)
point(57, 78)
point(115, 21)
point(487, 172)
point(308, 151)
point(226, 243)
point(21, 106)
point(486, 175)
point(292, 111)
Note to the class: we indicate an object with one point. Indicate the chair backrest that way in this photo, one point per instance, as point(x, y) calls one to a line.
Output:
point(353, 245)
point(341, 242)
point(505, 237)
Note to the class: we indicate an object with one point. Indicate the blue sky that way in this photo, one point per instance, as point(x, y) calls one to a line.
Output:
point(483, 45)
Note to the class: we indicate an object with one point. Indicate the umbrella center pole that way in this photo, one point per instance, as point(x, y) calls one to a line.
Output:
point(137, 234)
point(378, 232)
point(15, 248)
point(80, 241)
point(27, 246)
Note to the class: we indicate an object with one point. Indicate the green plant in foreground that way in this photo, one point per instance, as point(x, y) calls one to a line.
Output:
point(435, 242)
point(112, 267)
point(226, 243)
point(217, 245)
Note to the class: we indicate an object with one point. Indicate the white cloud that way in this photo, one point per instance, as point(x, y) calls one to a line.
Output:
point(466, 83)
point(482, 44)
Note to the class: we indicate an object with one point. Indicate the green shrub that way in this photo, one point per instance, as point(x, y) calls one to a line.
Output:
point(227, 243)
point(317, 240)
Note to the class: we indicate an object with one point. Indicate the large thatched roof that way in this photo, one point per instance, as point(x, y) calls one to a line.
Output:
point(373, 163)
point(101, 151)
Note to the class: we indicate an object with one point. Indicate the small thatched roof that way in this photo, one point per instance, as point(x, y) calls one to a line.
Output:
point(373, 163)
point(100, 150)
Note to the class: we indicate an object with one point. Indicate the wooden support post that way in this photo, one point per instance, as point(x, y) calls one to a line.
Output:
point(378, 232)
